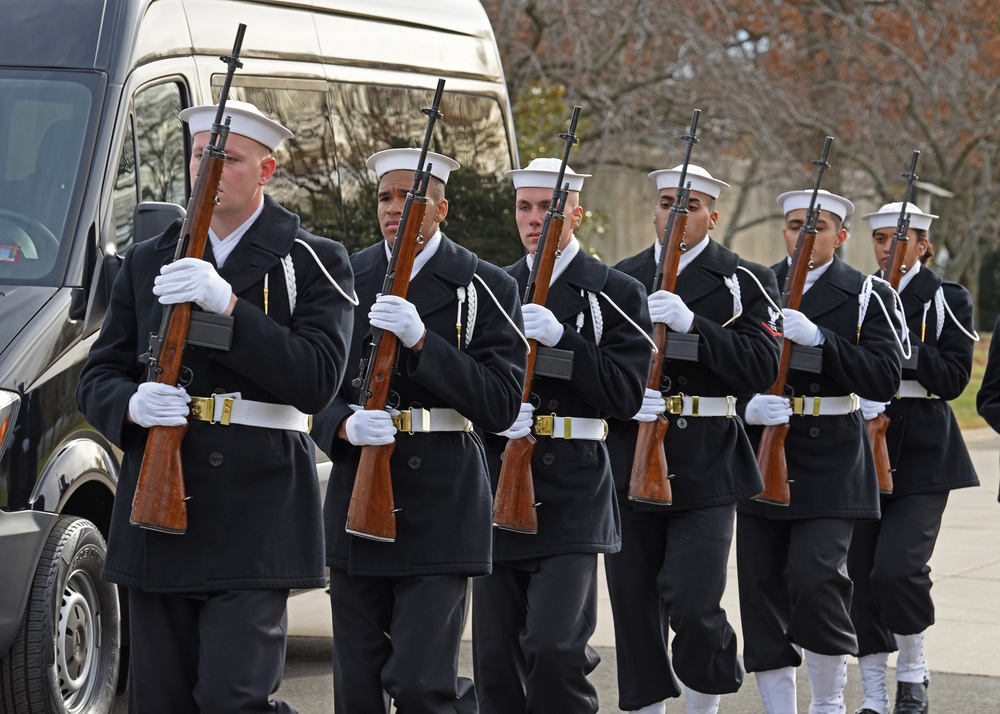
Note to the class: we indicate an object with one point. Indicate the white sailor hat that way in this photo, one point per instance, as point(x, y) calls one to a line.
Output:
point(837, 205)
point(542, 173)
point(888, 217)
point(699, 178)
point(383, 162)
point(247, 120)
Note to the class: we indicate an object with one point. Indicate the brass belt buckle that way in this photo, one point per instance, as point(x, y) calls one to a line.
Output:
point(798, 405)
point(203, 408)
point(675, 404)
point(545, 424)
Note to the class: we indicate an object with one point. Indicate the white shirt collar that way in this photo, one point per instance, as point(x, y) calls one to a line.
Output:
point(686, 257)
point(423, 256)
point(222, 247)
point(908, 276)
point(563, 258)
point(813, 275)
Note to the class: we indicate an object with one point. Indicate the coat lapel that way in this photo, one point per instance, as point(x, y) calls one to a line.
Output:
point(269, 239)
point(706, 272)
point(836, 286)
point(449, 269)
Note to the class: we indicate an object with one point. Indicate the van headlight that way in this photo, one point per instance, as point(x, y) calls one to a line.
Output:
point(9, 403)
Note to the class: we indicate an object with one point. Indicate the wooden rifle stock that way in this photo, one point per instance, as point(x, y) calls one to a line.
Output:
point(514, 506)
point(649, 480)
point(159, 500)
point(894, 270)
point(372, 513)
point(771, 450)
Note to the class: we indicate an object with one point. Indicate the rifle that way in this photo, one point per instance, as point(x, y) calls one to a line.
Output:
point(514, 504)
point(894, 270)
point(771, 451)
point(649, 481)
point(159, 501)
point(372, 513)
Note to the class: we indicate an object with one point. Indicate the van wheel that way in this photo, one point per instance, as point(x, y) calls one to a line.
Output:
point(65, 658)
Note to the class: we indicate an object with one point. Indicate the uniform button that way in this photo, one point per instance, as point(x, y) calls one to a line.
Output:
point(814, 431)
point(682, 381)
point(553, 404)
point(414, 462)
point(215, 458)
point(682, 423)
point(814, 388)
point(548, 459)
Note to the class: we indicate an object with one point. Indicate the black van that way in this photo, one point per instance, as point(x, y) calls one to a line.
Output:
point(93, 158)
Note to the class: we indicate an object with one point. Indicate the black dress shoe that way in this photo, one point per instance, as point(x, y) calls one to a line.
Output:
point(866, 711)
point(911, 698)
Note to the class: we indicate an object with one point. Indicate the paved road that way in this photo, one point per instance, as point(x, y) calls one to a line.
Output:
point(963, 647)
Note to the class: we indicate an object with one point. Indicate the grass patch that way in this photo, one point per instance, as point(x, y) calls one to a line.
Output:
point(965, 404)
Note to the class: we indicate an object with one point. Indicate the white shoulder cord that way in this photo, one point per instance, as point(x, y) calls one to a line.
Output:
point(470, 327)
point(595, 314)
point(502, 310)
point(734, 287)
point(351, 299)
point(863, 298)
point(630, 321)
point(941, 304)
point(289, 266)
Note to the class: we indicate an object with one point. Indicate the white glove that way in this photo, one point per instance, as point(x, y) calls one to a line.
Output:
point(370, 427)
point(668, 308)
point(653, 404)
point(768, 410)
point(540, 324)
point(870, 409)
point(155, 404)
point(395, 314)
point(193, 280)
point(799, 328)
point(522, 423)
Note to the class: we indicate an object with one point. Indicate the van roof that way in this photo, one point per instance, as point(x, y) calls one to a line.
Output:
point(98, 34)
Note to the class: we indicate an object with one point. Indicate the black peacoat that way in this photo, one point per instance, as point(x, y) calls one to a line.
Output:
point(830, 463)
point(254, 514)
point(439, 479)
point(711, 459)
point(578, 511)
point(926, 449)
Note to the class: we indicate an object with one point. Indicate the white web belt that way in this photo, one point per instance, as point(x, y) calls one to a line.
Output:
point(229, 409)
point(912, 389)
point(557, 427)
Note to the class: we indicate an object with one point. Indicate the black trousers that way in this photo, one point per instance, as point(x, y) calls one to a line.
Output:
point(531, 623)
point(794, 589)
point(399, 638)
point(213, 653)
point(888, 564)
point(671, 574)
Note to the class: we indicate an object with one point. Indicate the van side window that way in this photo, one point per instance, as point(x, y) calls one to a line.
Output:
point(322, 174)
point(152, 162)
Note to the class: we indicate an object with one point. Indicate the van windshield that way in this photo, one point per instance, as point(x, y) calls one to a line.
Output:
point(44, 119)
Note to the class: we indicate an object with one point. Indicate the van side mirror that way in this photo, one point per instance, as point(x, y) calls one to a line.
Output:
point(154, 217)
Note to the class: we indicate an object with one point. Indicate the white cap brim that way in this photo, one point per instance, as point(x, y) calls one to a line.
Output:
point(837, 205)
point(542, 173)
point(699, 179)
point(888, 217)
point(383, 162)
point(247, 120)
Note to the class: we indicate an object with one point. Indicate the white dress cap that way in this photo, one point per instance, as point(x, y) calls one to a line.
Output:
point(406, 160)
point(888, 217)
point(247, 120)
point(837, 205)
point(700, 180)
point(542, 173)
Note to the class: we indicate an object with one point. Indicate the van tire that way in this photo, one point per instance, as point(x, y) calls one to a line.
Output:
point(65, 657)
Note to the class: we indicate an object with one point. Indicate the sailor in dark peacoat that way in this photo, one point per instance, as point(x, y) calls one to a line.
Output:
point(794, 589)
point(255, 527)
point(888, 560)
point(534, 614)
point(399, 607)
point(671, 570)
